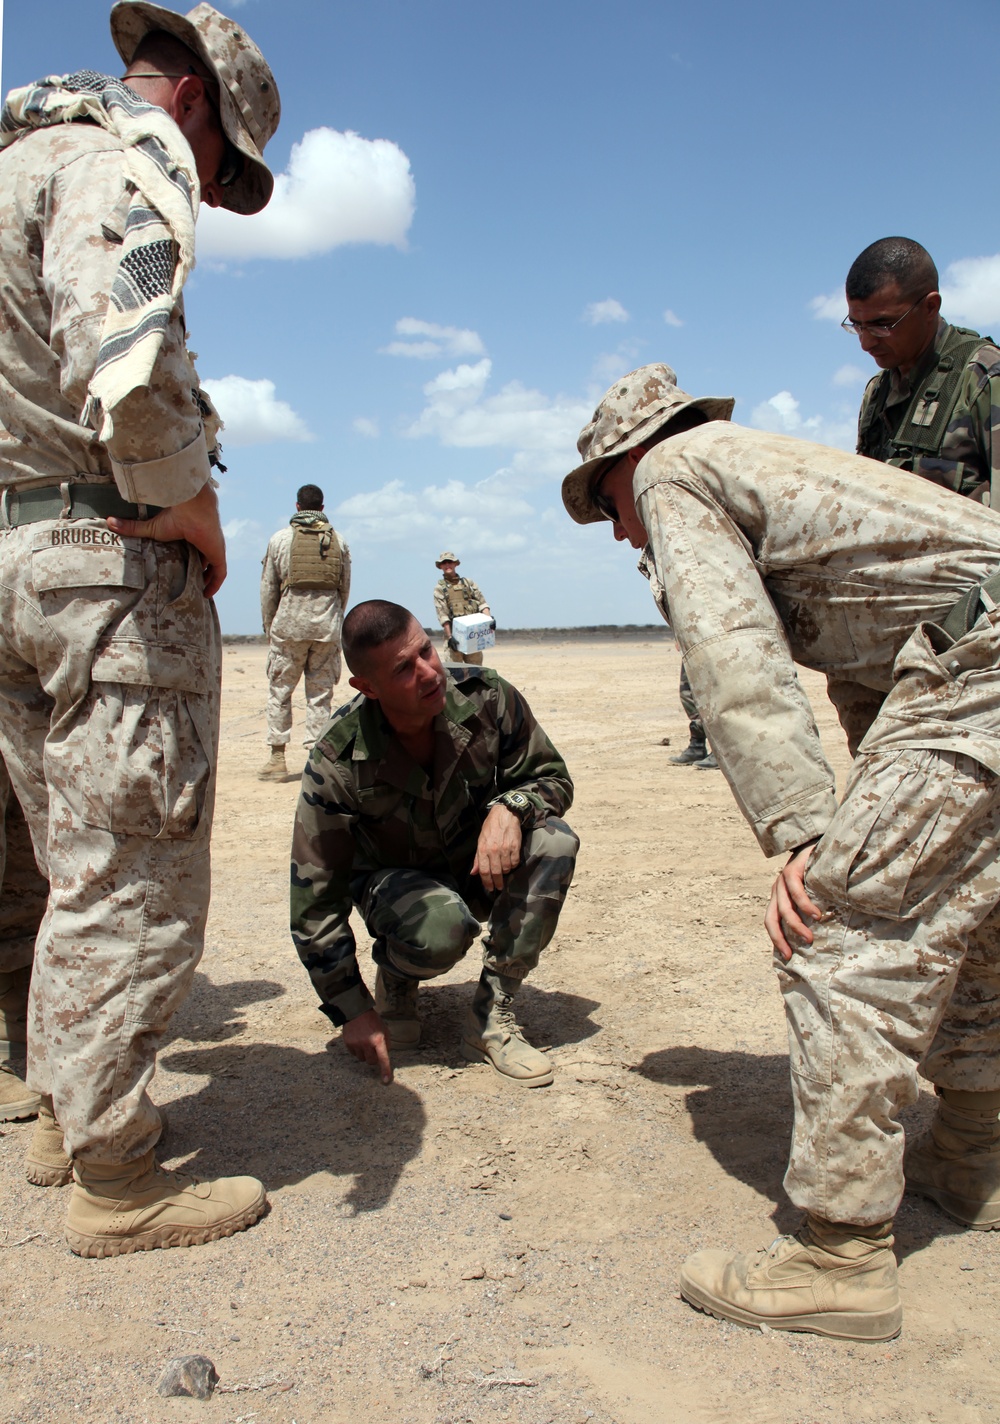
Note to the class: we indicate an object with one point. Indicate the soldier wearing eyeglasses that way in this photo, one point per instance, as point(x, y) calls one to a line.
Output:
point(111, 548)
point(934, 406)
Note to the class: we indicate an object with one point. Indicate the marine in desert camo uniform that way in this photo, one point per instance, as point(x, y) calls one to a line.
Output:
point(304, 587)
point(456, 597)
point(110, 548)
point(772, 551)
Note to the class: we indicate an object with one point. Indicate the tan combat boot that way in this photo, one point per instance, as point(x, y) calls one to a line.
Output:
point(274, 769)
point(396, 1005)
point(139, 1207)
point(47, 1163)
point(17, 1101)
point(491, 1034)
point(956, 1162)
point(827, 1279)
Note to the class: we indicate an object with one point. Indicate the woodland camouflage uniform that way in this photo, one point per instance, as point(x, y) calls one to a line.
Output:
point(373, 830)
point(965, 455)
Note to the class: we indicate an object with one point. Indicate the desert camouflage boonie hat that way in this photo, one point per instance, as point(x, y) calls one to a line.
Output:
point(249, 106)
point(632, 410)
point(446, 558)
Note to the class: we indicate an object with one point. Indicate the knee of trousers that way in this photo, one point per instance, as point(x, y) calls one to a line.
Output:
point(421, 927)
point(549, 856)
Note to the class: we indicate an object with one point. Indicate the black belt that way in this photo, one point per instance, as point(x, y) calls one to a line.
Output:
point(71, 500)
point(962, 615)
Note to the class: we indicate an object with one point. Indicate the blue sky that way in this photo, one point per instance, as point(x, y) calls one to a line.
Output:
point(539, 197)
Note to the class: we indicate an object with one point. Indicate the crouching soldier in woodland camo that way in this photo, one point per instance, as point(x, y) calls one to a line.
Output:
point(770, 552)
point(432, 803)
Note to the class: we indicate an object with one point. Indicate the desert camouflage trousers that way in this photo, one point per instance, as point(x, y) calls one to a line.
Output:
point(904, 971)
point(109, 705)
point(288, 660)
point(422, 925)
point(452, 656)
point(23, 889)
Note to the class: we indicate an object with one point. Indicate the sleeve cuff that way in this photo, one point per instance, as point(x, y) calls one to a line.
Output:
point(349, 1005)
point(170, 480)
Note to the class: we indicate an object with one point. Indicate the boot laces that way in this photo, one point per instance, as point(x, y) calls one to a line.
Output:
point(503, 1014)
point(398, 996)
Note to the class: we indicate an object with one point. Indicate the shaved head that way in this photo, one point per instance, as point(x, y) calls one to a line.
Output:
point(371, 625)
point(897, 260)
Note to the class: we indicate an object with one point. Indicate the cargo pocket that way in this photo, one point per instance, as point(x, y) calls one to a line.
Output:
point(900, 836)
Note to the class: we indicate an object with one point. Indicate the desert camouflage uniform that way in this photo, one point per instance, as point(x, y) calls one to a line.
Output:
point(24, 888)
point(456, 600)
point(374, 830)
point(968, 457)
point(774, 551)
point(303, 627)
point(109, 651)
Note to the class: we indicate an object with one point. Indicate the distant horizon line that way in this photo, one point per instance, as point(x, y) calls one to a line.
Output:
point(572, 630)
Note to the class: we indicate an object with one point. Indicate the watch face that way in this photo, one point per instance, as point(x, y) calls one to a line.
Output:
point(516, 800)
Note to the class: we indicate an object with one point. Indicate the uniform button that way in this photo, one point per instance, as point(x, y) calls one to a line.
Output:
point(954, 665)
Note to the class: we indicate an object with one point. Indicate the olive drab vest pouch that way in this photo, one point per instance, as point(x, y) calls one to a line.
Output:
point(460, 599)
point(926, 419)
point(315, 559)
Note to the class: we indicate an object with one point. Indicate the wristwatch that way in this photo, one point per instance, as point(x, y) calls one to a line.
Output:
point(517, 802)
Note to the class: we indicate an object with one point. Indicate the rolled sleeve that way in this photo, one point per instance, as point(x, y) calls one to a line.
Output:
point(171, 479)
point(736, 653)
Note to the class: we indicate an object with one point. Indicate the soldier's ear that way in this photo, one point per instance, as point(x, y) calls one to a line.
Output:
point(364, 687)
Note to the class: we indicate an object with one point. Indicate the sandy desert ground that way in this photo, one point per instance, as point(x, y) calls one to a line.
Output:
point(452, 1250)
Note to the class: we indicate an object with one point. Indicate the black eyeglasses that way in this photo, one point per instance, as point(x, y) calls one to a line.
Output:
point(879, 328)
point(605, 505)
point(231, 167)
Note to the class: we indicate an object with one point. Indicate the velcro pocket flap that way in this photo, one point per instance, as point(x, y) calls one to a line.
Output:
point(82, 555)
point(163, 665)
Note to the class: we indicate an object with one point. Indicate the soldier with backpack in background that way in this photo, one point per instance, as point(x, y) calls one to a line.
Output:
point(304, 589)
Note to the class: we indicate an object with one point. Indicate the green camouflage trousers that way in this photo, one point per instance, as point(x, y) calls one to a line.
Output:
point(695, 725)
point(904, 972)
point(287, 661)
point(109, 708)
point(422, 925)
point(24, 889)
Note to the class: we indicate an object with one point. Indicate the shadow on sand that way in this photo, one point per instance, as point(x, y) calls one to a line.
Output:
point(285, 1112)
point(741, 1109)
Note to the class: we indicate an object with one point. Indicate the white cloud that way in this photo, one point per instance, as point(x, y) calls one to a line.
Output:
point(971, 291)
point(252, 413)
point(473, 516)
point(540, 430)
point(443, 341)
point(611, 364)
point(850, 376)
point(599, 313)
point(363, 426)
point(832, 308)
point(244, 537)
point(671, 318)
point(338, 188)
point(782, 415)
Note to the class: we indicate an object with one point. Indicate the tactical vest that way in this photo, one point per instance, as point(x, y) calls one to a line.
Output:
point(315, 559)
point(459, 599)
point(925, 420)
